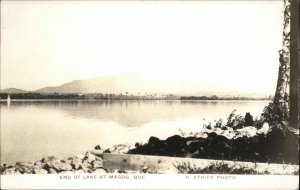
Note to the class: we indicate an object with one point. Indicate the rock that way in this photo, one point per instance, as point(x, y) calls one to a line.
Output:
point(55, 165)
point(224, 128)
point(67, 161)
point(98, 147)
point(195, 154)
point(97, 152)
point(80, 156)
point(76, 163)
point(195, 145)
point(2, 169)
point(229, 134)
point(86, 167)
point(264, 130)
point(11, 171)
point(24, 167)
point(119, 149)
point(189, 142)
point(153, 141)
point(175, 140)
point(219, 147)
point(97, 164)
point(48, 159)
point(39, 171)
point(124, 150)
point(51, 162)
point(218, 130)
point(52, 171)
point(212, 135)
point(39, 164)
point(65, 167)
point(276, 141)
point(246, 131)
point(100, 170)
point(89, 157)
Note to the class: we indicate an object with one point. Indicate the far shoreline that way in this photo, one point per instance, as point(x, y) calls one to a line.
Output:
point(103, 100)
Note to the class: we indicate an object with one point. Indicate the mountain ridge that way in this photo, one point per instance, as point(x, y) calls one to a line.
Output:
point(13, 91)
point(133, 83)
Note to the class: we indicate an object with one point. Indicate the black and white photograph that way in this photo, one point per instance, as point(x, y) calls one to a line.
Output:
point(100, 93)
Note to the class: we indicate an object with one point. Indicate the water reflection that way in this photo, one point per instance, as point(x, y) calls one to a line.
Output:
point(131, 113)
point(31, 130)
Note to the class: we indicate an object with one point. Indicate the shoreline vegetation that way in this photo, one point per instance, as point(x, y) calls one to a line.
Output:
point(240, 139)
point(126, 96)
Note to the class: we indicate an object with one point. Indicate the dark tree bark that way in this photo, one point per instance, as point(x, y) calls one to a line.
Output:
point(281, 98)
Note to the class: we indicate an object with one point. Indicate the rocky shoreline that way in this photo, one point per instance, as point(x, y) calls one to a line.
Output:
point(267, 145)
point(89, 162)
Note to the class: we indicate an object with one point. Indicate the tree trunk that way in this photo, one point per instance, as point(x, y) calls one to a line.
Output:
point(281, 99)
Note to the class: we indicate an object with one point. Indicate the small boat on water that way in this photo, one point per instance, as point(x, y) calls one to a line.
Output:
point(8, 99)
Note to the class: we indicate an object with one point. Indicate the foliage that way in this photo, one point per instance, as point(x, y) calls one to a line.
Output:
point(219, 123)
point(234, 120)
point(272, 114)
point(217, 168)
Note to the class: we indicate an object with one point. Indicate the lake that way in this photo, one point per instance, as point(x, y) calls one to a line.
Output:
point(31, 130)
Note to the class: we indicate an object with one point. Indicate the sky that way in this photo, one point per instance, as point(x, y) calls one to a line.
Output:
point(232, 44)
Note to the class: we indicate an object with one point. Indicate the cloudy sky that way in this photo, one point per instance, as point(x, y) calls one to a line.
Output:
point(232, 44)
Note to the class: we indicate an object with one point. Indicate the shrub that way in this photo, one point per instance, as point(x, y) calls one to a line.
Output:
point(272, 114)
point(235, 121)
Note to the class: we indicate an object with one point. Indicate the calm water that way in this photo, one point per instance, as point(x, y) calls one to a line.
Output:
point(31, 130)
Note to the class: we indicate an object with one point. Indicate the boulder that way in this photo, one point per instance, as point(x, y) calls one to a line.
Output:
point(153, 141)
point(193, 146)
point(2, 169)
point(219, 147)
point(97, 164)
point(264, 129)
point(89, 157)
point(23, 167)
point(98, 147)
point(64, 167)
point(67, 161)
point(39, 164)
point(51, 162)
point(217, 130)
point(11, 171)
point(49, 158)
point(52, 171)
point(175, 140)
point(39, 171)
point(86, 167)
point(246, 131)
point(212, 135)
point(229, 134)
point(124, 150)
point(80, 156)
point(76, 162)
point(119, 149)
point(97, 152)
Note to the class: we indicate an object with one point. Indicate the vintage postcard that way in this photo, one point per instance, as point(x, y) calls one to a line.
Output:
point(149, 94)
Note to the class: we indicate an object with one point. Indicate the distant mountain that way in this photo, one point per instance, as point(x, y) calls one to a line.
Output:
point(13, 91)
point(138, 84)
point(130, 82)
